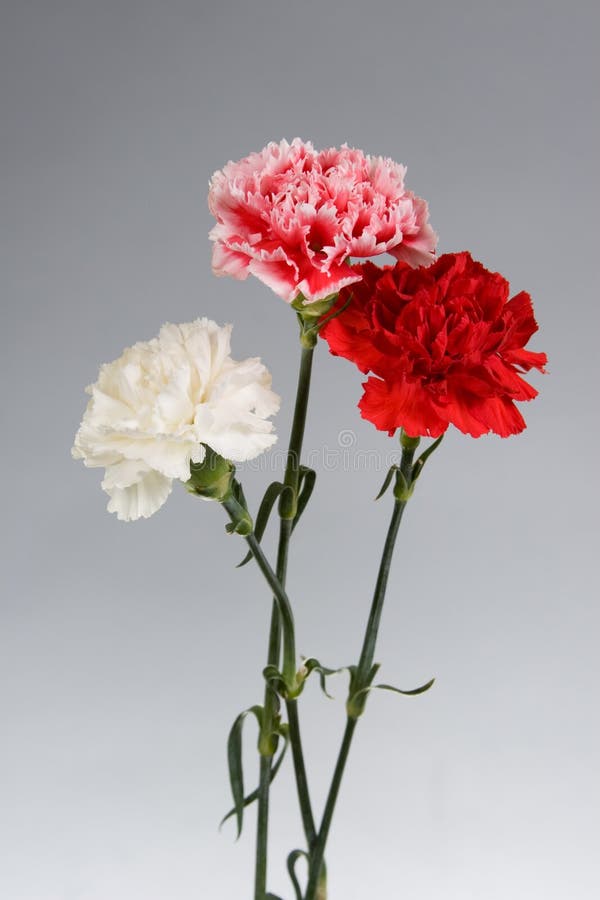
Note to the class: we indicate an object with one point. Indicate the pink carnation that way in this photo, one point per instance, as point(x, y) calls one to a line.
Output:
point(292, 217)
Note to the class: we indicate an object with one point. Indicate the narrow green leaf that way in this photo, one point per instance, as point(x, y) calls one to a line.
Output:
point(313, 665)
point(292, 859)
point(388, 687)
point(275, 679)
point(234, 759)
point(413, 693)
point(374, 670)
point(264, 513)
point(393, 468)
point(335, 313)
point(274, 770)
point(238, 493)
point(359, 689)
point(272, 897)
point(306, 486)
point(418, 466)
point(402, 489)
point(352, 670)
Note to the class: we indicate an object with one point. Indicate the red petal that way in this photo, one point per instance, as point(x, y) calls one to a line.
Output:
point(400, 405)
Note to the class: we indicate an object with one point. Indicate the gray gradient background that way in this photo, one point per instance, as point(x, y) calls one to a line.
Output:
point(128, 650)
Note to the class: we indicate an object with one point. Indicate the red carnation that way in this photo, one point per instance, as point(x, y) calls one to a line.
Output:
point(444, 344)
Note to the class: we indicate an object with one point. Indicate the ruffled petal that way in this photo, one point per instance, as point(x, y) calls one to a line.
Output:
point(293, 217)
point(155, 408)
point(400, 405)
point(446, 344)
point(141, 498)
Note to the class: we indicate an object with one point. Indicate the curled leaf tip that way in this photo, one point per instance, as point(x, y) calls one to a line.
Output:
point(387, 481)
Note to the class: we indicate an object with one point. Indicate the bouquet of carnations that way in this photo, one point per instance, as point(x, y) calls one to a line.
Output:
point(441, 343)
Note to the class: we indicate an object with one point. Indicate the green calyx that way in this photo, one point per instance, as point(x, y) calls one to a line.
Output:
point(311, 317)
point(313, 310)
point(407, 442)
point(212, 478)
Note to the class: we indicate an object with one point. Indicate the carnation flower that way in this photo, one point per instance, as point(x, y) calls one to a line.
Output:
point(152, 410)
point(444, 344)
point(292, 217)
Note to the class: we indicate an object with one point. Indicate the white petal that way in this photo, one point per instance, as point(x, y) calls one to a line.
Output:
point(240, 445)
point(173, 405)
point(152, 409)
point(140, 499)
point(168, 454)
point(123, 474)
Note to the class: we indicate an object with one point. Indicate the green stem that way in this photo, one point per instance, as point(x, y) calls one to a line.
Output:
point(292, 471)
point(270, 710)
point(262, 828)
point(361, 680)
point(367, 654)
point(284, 609)
point(306, 812)
point(318, 853)
point(292, 466)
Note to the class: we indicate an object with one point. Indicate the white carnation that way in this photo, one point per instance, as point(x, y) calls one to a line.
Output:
point(152, 409)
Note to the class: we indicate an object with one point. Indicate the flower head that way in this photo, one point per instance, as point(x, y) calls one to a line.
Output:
point(152, 410)
point(292, 217)
point(444, 344)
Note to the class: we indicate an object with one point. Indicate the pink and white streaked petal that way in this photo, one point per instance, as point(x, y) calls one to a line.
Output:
point(318, 209)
